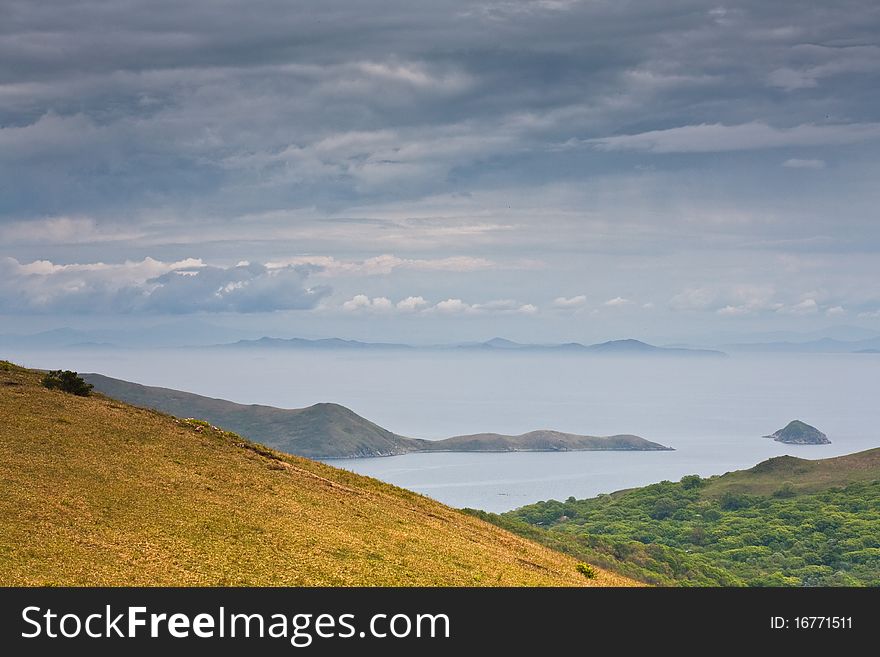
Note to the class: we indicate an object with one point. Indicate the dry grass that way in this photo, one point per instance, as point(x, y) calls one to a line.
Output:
point(96, 492)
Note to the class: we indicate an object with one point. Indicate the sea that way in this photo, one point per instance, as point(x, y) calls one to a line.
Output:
point(714, 412)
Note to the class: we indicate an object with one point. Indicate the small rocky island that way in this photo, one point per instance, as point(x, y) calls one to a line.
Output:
point(799, 433)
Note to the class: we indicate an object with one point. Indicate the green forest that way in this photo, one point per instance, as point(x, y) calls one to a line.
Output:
point(687, 533)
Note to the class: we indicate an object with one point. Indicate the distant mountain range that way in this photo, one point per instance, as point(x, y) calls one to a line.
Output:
point(199, 333)
point(171, 334)
point(612, 347)
point(303, 343)
point(328, 430)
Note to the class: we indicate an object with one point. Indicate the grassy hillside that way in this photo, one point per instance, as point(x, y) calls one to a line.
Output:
point(319, 431)
point(800, 475)
point(786, 522)
point(97, 492)
point(333, 431)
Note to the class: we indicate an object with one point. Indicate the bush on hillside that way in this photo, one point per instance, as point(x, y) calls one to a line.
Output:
point(731, 501)
point(689, 482)
point(587, 570)
point(67, 381)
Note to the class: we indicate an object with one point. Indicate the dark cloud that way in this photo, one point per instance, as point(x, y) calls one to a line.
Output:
point(206, 108)
point(716, 140)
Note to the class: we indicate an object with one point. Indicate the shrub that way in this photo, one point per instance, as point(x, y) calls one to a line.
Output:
point(785, 491)
point(689, 482)
point(587, 570)
point(67, 381)
point(732, 501)
point(663, 508)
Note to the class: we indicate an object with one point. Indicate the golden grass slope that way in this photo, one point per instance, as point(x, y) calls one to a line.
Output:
point(97, 492)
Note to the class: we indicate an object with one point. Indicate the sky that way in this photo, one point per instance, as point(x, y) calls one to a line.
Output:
point(544, 170)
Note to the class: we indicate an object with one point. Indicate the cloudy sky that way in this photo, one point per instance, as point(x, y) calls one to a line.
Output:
point(545, 169)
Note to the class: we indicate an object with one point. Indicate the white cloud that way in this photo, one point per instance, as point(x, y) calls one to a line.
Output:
point(835, 311)
point(616, 302)
point(797, 163)
point(357, 302)
point(870, 314)
point(499, 306)
point(505, 306)
point(805, 307)
point(733, 311)
point(452, 307)
point(361, 302)
point(716, 137)
point(149, 285)
point(411, 304)
point(130, 271)
point(578, 301)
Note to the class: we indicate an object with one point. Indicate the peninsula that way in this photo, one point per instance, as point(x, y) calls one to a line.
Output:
point(332, 431)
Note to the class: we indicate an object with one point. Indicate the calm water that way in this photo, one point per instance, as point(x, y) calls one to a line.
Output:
point(713, 412)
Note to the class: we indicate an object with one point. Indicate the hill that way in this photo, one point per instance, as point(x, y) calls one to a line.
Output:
point(637, 347)
point(322, 343)
point(97, 492)
point(800, 475)
point(785, 522)
point(318, 431)
point(799, 433)
point(333, 431)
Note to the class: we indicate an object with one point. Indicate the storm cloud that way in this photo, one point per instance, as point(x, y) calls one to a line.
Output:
point(255, 106)
point(547, 152)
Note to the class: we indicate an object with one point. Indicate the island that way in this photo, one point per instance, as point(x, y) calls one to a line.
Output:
point(799, 433)
point(543, 440)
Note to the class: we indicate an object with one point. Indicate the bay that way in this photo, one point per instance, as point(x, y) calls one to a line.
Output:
point(714, 412)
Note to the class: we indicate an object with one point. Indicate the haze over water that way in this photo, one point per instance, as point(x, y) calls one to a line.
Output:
point(714, 412)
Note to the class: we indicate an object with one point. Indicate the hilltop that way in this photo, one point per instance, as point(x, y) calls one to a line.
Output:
point(318, 431)
point(332, 431)
point(798, 475)
point(98, 492)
